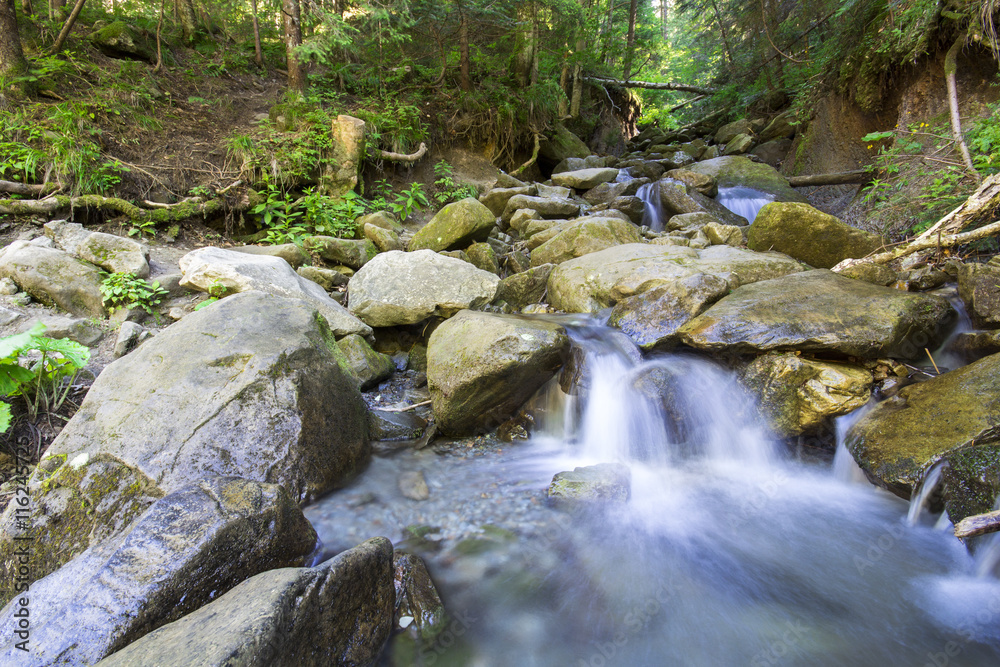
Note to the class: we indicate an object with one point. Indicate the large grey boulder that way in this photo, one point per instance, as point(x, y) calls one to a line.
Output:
point(115, 254)
point(730, 131)
point(481, 368)
point(800, 395)
point(602, 279)
point(210, 269)
point(678, 198)
point(809, 235)
point(251, 386)
point(952, 417)
point(497, 198)
point(54, 278)
point(295, 255)
point(370, 367)
point(584, 236)
point(455, 226)
point(354, 253)
point(337, 613)
point(195, 543)
point(585, 179)
point(408, 287)
point(562, 144)
point(821, 311)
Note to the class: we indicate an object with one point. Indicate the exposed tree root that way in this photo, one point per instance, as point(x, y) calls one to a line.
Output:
point(401, 157)
point(172, 213)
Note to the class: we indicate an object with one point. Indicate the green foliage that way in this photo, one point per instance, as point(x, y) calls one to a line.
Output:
point(285, 150)
point(125, 290)
point(409, 200)
point(280, 218)
point(40, 369)
point(392, 125)
point(329, 216)
point(215, 292)
point(448, 190)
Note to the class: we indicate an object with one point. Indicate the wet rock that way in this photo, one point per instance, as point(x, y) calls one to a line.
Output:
point(799, 395)
point(481, 368)
point(384, 425)
point(455, 226)
point(954, 413)
point(337, 613)
point(822, 311)
point(347, 252)
point(632, 209)
point(584, 179)
point(413, 485)
point(219, 393)
point(809, 235)
point(976, 345)
point(730, 131)
point(197, 542)
point(869, 272)
point(291, 253)
point(408, 287)
point(607, 192)
point(482, 256)
point(928, 278)
point(209, 269)
point(604, 482)
point(678, 199)
point(547, 207)
point(652, 318)
point(420, 613)
point(602, 279)
point(703, 183)
point(528, 287)
point(582, 237)
point(979, 287)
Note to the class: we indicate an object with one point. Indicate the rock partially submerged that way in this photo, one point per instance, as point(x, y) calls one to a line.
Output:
point(604, 482)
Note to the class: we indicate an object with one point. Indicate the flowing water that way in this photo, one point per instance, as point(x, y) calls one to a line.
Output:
point(653, 215)
point(743, 201)
point(726, 553)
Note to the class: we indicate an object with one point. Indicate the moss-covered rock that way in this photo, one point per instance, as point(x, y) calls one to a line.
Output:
point(604, 482)
point(481, 368)
point(582, 237)
point(369, 367)
point(120, 40)
point(385, 240)
point(347, 252)
point(562, 144)
point(455, 226)
point(979, 287)
point(809, 235)
point(54, 278)
point(523, 289)
point(954, 416)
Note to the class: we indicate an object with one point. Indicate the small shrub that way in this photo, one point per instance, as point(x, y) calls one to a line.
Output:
point(125, 290)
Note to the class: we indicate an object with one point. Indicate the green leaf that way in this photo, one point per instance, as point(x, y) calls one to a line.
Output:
point(5, 417)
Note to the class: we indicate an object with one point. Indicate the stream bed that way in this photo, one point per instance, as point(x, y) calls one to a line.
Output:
point(728, 552)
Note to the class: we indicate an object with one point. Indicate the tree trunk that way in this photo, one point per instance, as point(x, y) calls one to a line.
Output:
point(722, 29)
point(64, 33)
point(701, 90)
point(633, 9)
point(12, 62)
point(524, 54)
point(188, 19)
point(463, 50)
point(159, 44)
point(293, 38)
point(950, 67)
point(838, 178)
point(258, 53)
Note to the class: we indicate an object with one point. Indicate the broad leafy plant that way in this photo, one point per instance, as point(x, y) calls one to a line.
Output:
point(126, 290)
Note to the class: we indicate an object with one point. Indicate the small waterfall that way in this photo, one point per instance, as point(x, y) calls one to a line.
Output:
point(923, 491)
point(653, 215)
point(743, 201)
point(845, 468)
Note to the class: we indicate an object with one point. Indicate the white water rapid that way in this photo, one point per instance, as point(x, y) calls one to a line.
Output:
point(743, 201)
point(727, 552)
point(653, 215)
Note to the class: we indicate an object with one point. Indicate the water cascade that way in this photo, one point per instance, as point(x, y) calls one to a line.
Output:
point(743, 201)
point(922, 492)
point(726, 553)
point(653, 215)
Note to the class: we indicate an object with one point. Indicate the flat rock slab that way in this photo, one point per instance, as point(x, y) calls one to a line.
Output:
point(212, 269)
point(952, 415)
point(585, 179)
point(820, 311)
point(189, 546)
point(339, 613)
point(408, 287)
point(602, 279)
point(54, 278)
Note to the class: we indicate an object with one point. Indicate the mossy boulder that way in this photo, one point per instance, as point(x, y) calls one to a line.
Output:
point(497, 198)
point(337, 613)
point(809, 235)
point(730, 131)
point(546, 207)
point(604, 482)
point(125, 42)
point(385, 240)
point(979, 287)
point(197, 542)
point(525, 288)
point(820, 311)
point(585, 179)
point(799, 395)
point(954, 416)
point(734, 171)
point(562, 144)
point(455, 226)
point(369, 367)
point(346, 252)
point(481, 368)
point(678, 198)
point(584, 236)
point(252, 386)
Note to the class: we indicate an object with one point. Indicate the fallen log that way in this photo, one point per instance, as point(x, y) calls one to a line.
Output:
point(837, 178)
point(980, 204)
point(649, 85)
point(173, 213)
point(402, 157)
point(28, 189)
point(922, 243)
point(978, 524)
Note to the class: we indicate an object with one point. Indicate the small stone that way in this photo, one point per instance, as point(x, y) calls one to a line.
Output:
point(603, 482)
point(413, 485)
